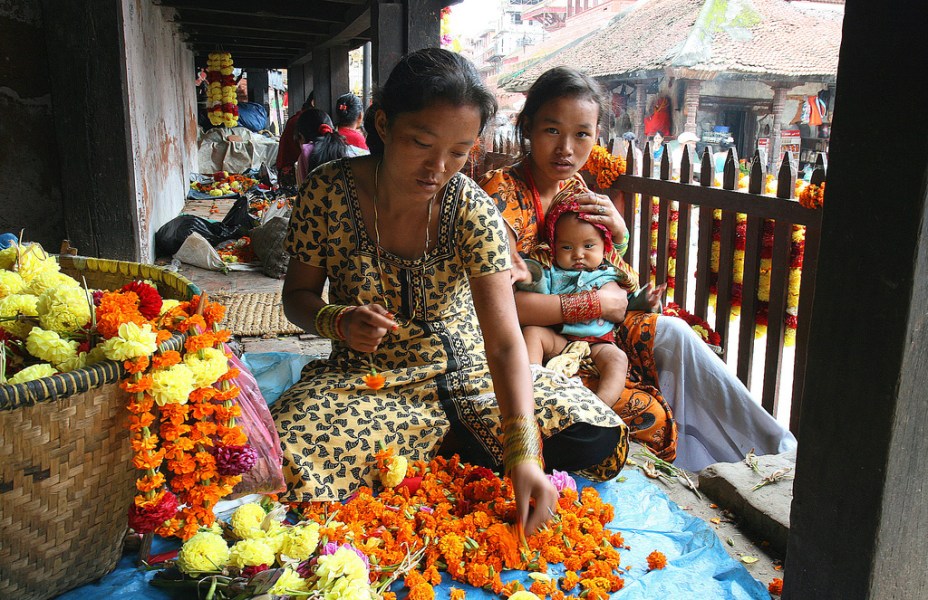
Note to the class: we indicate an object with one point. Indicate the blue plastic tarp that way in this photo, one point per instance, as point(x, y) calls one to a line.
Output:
point(698, 566)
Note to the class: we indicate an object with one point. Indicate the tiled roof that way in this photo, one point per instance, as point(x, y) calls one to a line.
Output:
point(702, 39)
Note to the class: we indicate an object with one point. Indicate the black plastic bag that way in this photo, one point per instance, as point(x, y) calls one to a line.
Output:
point(172, 234)
point(238, 219)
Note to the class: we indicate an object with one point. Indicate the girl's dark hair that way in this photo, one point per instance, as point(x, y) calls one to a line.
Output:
point(347, 110)
point(423, 78)
point(315, 126)
point(559, 82)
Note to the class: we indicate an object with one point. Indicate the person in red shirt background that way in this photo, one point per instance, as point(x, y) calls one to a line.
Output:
point(289, 149)
point(348, 118)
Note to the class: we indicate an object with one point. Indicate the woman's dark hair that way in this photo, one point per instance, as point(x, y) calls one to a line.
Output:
point(347, 110)
point(559, 82)
point(315, 126)
point(423, 78)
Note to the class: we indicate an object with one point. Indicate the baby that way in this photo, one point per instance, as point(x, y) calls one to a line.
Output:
point(577, 251)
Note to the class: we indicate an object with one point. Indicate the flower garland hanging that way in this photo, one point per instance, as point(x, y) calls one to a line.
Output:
point(812, 196)
point(221, 96)
point(604, 167)
point(700, 326)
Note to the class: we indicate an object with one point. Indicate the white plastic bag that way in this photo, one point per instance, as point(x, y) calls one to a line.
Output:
point(198, 252)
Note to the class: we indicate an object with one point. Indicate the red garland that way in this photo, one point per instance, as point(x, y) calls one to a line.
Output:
point(149, 299)
point(675, 310)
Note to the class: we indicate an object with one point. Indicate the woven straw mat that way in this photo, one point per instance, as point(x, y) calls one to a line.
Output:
point(255, 314)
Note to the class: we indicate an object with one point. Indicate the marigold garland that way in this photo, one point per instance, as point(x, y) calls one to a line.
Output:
point(604, 167)
point(221, 93)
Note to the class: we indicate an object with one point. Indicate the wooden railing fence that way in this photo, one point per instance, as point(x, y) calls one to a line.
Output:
point(705, 196)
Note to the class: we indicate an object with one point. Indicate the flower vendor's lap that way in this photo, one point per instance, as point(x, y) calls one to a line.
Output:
point(330, 424)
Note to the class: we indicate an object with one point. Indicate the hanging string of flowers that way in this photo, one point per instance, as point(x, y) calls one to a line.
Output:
point(604, 167)
point(221, 97)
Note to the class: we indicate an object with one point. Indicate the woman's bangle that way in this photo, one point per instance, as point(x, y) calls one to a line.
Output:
point(338, 322)
point(580, 307)
point(328, 319)
point(521, 442)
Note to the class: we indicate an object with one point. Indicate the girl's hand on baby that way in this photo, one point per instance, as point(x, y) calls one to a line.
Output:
point(613, 301)
point(364, 327)
point(600, 210)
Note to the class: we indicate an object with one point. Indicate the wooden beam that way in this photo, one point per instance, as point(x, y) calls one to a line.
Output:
point(357, 24)
point(92, 123)
point(318, 12)
point(197, 33)
point(859, 520)
point(387, 37)
point(235, 28)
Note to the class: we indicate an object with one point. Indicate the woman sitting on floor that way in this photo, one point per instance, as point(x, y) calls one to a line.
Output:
point(417, 263)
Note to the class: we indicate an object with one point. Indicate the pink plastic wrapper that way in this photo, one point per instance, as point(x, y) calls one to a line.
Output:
point(266, 477)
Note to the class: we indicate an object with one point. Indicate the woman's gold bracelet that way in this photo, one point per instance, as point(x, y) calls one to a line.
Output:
point(327, 320)
point(521, 442)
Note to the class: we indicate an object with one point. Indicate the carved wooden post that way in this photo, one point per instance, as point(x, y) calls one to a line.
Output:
point(691, 104)
point(779, 100)
point(641, 102)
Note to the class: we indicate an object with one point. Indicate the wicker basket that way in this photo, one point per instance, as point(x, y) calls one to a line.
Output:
point(66, 479)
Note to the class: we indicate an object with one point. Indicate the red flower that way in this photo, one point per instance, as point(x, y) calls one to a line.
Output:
point(776, 586)
point(146, 516)
point(250, 572)
point(149, 299)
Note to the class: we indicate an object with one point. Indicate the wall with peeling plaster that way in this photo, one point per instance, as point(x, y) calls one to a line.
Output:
point(162, 115)
point(30, 196)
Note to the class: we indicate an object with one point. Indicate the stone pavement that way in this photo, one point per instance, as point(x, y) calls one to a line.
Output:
point(752, 524)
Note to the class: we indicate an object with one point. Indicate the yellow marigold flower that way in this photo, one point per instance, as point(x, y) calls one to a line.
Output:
point(246, 518)
point(18, 305)
point(34, 260)
point(8, 257)
point(11, 283)
point(207, 370)
point(32, 373)
point(523, 595)
point(300, 541)
point(343, 563)
point(167, 304)
point(395, 473)
point(288, 582)
point(78, 361)
point(51, 279)
point(132, 341)
point(64, 309)
point(348, 589)
point(49, 346)
point(250, 553)
point(172, 385)
point(205, 551)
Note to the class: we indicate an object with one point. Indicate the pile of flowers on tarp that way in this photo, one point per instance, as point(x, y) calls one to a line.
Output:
point(224, 183)
point(428, 518)
point(49, 323)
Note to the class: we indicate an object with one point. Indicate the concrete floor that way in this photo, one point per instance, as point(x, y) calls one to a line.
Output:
point(735, 534)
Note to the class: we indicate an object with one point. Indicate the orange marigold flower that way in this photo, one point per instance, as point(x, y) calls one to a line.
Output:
point(657, 560)
point(456, 594)
point(374, 380)
point(144, 443)
point(202, 394)
point(148, 460)
point(140, 405)
point(228, 394)
point(199, 342)
point(162, 335)
point(163, 360)
point(150, 483)
point(136, 365)
point(232, 373)
point(138, 422)
point(194, 322)
point(569, 581)
point(133, 386)
point(775, 587)
point(214, 313)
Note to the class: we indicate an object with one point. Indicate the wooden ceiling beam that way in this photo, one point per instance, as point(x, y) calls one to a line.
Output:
point(237, 29)
point(320, 12)
point(251, 63)
point(251, 44)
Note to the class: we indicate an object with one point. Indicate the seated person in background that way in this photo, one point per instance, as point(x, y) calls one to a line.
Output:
point(319, 142)
point(721, 156)
point(676, 157)
point(348, 118)
point(578, 249)
point(629, 137)
point(289, 149)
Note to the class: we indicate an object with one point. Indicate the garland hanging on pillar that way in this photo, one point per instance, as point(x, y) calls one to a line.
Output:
point(221, 98)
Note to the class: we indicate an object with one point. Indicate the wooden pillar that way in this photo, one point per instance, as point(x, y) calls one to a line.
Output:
point(387, 28)
point(322, 78)
point(779, 101)
point(296, 93)
point(691, 104)
point(366, 86)
point(423, 24)
point(91, 110)
point(641, 102)
point(859, 522)
point(258, 86)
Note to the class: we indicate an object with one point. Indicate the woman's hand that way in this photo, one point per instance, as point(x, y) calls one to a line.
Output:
point(364, 327)
point(530, 484)
point(613, 301)
point(600, 210)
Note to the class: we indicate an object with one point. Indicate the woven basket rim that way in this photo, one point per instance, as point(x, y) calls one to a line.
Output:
point(62, 385)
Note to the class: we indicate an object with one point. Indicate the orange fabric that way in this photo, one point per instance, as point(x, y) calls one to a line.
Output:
point(641, 405)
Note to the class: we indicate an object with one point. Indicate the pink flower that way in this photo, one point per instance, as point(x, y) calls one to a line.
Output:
point(562, 481)
point(331, 547)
